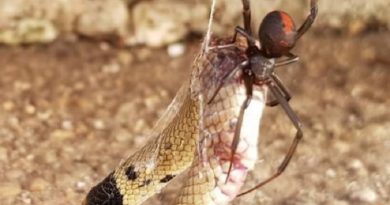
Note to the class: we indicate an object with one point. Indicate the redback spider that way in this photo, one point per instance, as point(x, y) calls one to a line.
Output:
point(277, 35)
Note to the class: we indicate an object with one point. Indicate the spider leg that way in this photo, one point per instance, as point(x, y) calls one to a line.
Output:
point(248, 81)
point(226, 77)
point(247, 30)
point(246, 34)
point(238, 30)
point(309, 19)
point(291, 58)
point(247, 16)
point(282, 89)
point(298, 136)
point(273, 102)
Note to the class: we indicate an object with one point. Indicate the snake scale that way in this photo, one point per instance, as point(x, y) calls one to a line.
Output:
point(193, 135)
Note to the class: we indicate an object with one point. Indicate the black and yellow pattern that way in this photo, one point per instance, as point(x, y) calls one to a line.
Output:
point(174, 147)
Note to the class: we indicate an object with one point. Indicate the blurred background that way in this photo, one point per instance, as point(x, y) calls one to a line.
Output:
point(82, 82)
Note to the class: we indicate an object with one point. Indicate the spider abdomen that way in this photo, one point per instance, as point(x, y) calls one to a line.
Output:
point(277, 34)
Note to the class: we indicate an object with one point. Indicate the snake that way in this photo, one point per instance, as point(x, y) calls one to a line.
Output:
point(193, 137)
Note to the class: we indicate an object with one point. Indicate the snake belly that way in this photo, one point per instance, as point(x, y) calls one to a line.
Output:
point(190, 124)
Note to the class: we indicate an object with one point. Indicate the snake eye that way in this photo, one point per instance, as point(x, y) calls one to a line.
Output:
point(277, 34)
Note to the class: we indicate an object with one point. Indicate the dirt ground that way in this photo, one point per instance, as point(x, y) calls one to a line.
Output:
point(70, 111)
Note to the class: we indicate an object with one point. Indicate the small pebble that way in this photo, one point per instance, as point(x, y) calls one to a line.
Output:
point(331, 173)
point(104, 46)
point(358, 167)
point(99, 124)
point(366, 195)
point(45, 115)
point(38, 185)
point(113, 67)
point(8, 105)
point(61, 134)
point(80, 186)
point(79, 86)
point(356, 164)
point(22, 86)
point(30, 157)
point(29, 109)
point(14, 121)
point(67, 125)
point(356, 27)
point(125, 58)
point(176, 50)
point(26, 197)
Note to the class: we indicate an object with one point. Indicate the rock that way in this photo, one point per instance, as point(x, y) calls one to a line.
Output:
point(99, 124)
point(30, 31)
point(356, 164)
point(104, 46)
point(26, 197)
point(24, 21)
point(366, 195)
point(29, 109)
point(61, 135)
point(353, 16)
point(156, 23)
point(358, 167)
point(9, 189)
point(38, 185)
point(176, 50)
point(159, 23)
point(102, 18)
point(67, 125)
point(112, 68)
point(44, 115)
point(125, 58)
point(8, 105)
point(331, 173)
point(80, 186)
point(356, 27)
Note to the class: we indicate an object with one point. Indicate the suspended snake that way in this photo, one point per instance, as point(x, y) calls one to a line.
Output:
point(198, 129)
point(194, 135)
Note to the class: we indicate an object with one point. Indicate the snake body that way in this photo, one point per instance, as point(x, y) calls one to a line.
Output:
point(193, 134)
